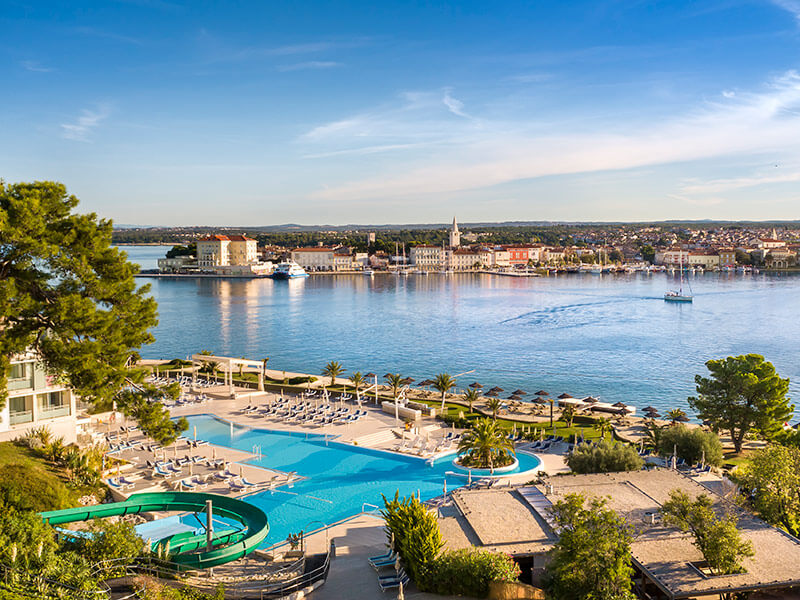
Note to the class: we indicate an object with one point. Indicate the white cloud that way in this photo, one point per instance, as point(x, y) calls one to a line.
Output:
point(311, 64)
point(486, 153)
point(728, 94)
point(35, 67)
point(775, 174)
point(453, 105)
point(83, 126)
point(792, 6)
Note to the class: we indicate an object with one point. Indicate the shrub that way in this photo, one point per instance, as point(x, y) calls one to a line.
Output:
point(415, 535)
point(461, 423)
point(468, 572)
point(690, 444)
point(108, 540)
point(604, 457)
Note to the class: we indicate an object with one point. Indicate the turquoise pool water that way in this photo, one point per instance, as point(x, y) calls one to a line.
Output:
point(341, 478)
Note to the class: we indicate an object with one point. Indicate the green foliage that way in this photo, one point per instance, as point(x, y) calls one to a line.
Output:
point(153, 589)
point(414, 533)
point(69, 295)
point(494, 405)
point(486, 446)
point(676, 414)
point(107, 540)
point(333, 369)
point(771, 480)
point(34, 490)
point(443, 383)
point(604, 457)
point(648, 253)
point(568, 414)
point(471, 396)
point(592, 558)
point(717, 539)
point(25, 541)
point(188, 250)
point(357, 379)
point(395, 381)
point(468, 572)
point(690, 444)
point(744, 393)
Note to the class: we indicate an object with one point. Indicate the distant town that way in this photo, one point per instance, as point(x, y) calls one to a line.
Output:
point(512, 250)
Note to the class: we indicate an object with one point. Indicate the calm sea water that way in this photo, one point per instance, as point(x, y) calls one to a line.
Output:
point(611, 336)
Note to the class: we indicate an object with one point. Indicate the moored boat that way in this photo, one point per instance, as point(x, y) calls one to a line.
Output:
point(288, 270)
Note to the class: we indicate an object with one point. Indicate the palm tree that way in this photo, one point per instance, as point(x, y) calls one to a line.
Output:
point(486, 443)
point(568, 414)
point(471, 396)
point(494, 405)
point(333, 369)
point(357, 379)
point(395, 381)
point(675, 415)
point(552, 404)
point(443, 383)
point(603, 426)
point(652, 434)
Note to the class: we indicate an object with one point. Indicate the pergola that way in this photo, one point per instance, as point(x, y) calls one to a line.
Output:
point(228, 365)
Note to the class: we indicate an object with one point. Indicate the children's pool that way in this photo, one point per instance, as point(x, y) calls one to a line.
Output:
point(340, 478)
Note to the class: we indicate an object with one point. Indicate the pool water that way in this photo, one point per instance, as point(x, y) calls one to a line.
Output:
point(341, 478)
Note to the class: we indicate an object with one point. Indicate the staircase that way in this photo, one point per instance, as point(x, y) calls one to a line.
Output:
point(374, 439)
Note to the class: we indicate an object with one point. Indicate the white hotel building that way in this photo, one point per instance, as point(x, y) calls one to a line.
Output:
point(36, 399)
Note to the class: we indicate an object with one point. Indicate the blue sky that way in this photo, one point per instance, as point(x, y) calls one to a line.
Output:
point(161, 112)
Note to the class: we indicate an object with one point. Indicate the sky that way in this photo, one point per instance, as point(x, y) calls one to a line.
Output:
point(161, 112)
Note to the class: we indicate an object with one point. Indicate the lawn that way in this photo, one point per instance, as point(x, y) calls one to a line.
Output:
point(30, 482)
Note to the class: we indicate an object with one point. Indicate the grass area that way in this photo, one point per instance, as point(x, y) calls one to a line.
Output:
point(736, 460)
point(31, 483)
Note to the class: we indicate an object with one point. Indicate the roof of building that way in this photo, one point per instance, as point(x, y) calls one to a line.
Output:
point(214, 238)
point(514, 521)
point(240, 238)
point(313, 249)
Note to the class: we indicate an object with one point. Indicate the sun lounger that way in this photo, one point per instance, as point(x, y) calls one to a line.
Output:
point(236, 487)
point(394, 582)
point(382, 557)
point(389, 561)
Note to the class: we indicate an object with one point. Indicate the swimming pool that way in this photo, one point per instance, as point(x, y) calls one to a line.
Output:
point(341, 478)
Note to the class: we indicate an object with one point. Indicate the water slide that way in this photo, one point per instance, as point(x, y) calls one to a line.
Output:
point(189, 551)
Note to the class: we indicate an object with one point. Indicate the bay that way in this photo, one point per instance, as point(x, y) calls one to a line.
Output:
point(611, 336)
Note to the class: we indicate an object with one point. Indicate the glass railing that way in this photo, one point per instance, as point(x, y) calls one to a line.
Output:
point(21, 416)
point(51, 412)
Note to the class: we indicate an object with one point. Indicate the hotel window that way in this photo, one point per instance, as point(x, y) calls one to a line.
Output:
point(19, 410)
point(20, 371)
point(52, 405)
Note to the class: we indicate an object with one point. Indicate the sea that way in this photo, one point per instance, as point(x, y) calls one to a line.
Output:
point(611, 336)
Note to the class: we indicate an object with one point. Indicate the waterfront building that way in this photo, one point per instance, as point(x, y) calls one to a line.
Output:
point(212, 251)
point(727, 257)
point(672, 257)
point(222, 250)
point(36, 398)
point(427, 258)
point(177, 264)
point(708, 259)
point(463, 259)
point(780, 258)
point(554, 255)
point(501, 258)
point(314, 258)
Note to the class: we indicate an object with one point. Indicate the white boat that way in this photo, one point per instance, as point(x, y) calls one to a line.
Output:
point(288, 270)
point(678, 296)
point(368, 273)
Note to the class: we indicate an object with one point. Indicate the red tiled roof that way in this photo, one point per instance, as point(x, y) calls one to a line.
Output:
point(240, 238)
point(315, 249)
point(215, 238)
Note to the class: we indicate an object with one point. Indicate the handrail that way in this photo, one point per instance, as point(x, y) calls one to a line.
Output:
point(377, 508)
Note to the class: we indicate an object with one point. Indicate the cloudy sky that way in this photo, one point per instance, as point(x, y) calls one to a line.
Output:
point(162, 112)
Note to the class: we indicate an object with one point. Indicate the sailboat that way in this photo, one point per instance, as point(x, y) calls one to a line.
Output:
point(679, 296)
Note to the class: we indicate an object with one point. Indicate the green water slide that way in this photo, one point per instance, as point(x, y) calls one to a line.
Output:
point(189, 552)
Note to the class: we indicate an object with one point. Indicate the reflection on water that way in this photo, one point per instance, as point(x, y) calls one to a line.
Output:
point(611, 336)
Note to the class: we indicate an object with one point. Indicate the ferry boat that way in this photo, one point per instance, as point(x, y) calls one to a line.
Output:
point(288, 270)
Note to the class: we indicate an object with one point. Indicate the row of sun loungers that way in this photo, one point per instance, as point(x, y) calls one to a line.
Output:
point(421, 447)
point(392, 580)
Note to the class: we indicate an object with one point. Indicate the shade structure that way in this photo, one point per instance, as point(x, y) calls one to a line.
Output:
point(515, 397)
point(520, 393)
point(370, 375)
point(561, 397)
point(590, 399)
point(650, 409)
point(497, 389)
point(619, 405)
point(652, 414)
point(491, 394)
point(407, 381)
point(387, 375)
point(541, 400)
point(682, 418)
point(475, 385)
point(424, 382)
point(542, 393)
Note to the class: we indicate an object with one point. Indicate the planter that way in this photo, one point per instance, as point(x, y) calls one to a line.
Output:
point(483, 472)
